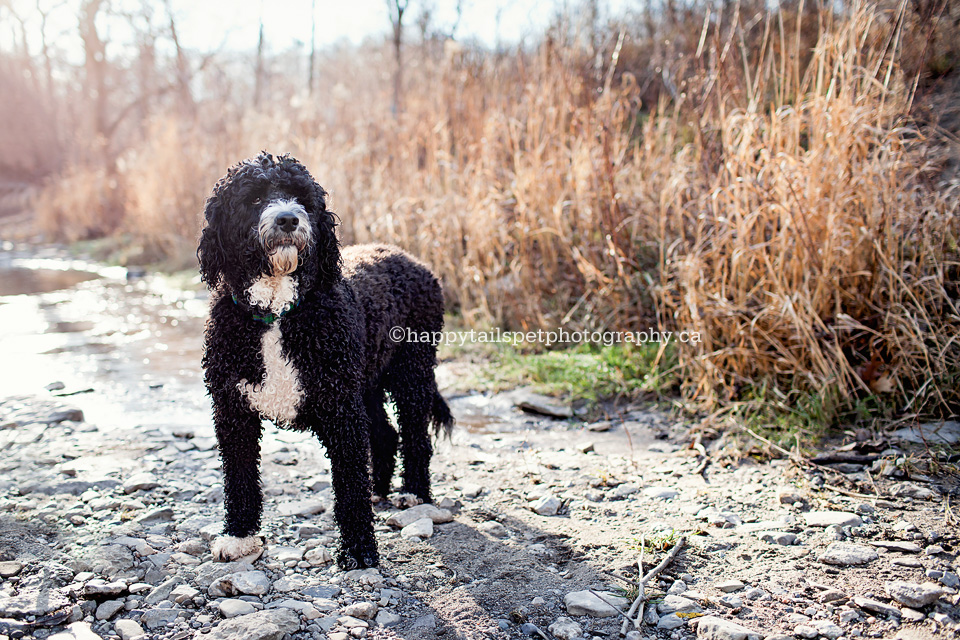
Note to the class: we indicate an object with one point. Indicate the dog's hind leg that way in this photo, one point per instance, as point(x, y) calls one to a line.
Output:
point(383, 443)
point(413, 388)
point(346, 438)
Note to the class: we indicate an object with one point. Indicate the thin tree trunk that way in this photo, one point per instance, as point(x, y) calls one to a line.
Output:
point(258, 71)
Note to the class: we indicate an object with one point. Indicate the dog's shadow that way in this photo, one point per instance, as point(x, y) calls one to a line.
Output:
point(470, 581)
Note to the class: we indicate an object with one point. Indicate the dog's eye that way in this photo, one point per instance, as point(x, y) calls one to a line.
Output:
point(257, 200)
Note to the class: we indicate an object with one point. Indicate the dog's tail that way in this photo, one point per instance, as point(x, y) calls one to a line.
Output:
point(440, 416)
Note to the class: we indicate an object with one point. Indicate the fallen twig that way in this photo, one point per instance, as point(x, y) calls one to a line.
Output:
point(847, 492)
point(706, 458)
point(640, 601)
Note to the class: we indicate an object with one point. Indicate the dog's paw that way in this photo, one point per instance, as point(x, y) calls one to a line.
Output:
point(348, 560)
point(405, 500)
point(230, 548)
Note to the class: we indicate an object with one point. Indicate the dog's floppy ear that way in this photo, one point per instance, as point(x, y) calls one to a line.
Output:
point(326, 244)
point(210, 251)
point(324, 270)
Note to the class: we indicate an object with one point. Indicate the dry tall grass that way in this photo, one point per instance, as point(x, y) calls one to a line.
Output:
point(776, 199)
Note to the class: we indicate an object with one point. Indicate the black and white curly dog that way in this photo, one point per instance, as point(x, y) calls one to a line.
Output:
point(299, 334)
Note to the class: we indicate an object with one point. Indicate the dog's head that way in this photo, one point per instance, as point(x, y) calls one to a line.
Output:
point(268, 217)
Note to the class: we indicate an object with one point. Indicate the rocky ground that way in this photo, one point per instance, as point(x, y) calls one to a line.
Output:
point(110, 493)
point(536, 533)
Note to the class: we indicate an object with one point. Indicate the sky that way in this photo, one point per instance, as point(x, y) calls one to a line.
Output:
point(205, 24)
point(210, 25)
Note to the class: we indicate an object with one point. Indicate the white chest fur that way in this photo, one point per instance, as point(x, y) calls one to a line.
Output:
point(278, 394)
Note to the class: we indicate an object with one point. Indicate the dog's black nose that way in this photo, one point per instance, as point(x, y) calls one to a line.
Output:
point(287, 221)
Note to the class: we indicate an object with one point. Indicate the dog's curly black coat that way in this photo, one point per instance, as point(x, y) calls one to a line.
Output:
point(334, 338)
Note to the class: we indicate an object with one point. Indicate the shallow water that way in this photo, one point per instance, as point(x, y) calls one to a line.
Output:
point(127, 351)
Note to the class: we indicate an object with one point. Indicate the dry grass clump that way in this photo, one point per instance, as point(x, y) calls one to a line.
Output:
point(817, 257)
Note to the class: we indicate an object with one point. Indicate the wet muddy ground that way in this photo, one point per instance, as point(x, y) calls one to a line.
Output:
point(110, 493)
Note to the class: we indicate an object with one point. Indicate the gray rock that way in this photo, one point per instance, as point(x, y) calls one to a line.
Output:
point(108, 609)
point(532, 630)
point(912, 615)
point(778, 537)
point(322, 591)
point(32, 602)
point(254, 583)
point(678, 604)
point(846, 553)
point(585, 603)
point(828, 518)
point(661, 493)
point(471, 490)
point(548, 505)
point(788, 496)
point(754, 593)
point(670, 621)
point(302, 508)
point(950, 579)
point(678, 587)
point(369, 576)
point(565, 629)
point(318, 556)
point(494, 528)
point(127, 629)
point(99, 588)
point(388, 618)
point(76, 631)
point(868, 604)
point(411, 515)
point(541, 404)
point(713, 628)
point(422, 528)
point(732, 601)
point(156, 516)
point(286, 554)
point(362, 610)
point(805, 631)
point(289, 583)
point(108, 560)
point(155, 618)
point(828, 629)
point(231, 608)
point(270, 624)
point(22, 410)
point(913, 595)
point(140, 481)
point(913, 490)
point(717, 518)
point(183, 594)
point(831, 595)
point(650, 616)
point(729, 586)
point(162, 591)
point(624, 490)
point(10, 568)
point(305, 609)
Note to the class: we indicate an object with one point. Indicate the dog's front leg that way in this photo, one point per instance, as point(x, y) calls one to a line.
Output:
point(238, 435)
point(347, 443)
